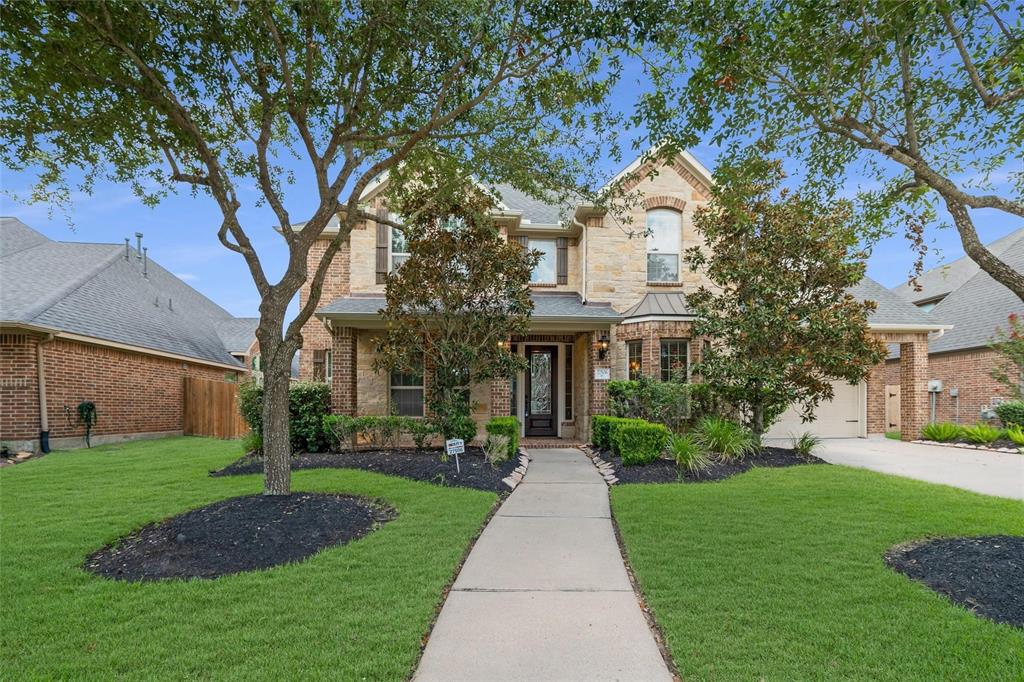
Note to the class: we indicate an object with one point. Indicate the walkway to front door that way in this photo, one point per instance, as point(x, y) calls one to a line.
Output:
point(544, 594)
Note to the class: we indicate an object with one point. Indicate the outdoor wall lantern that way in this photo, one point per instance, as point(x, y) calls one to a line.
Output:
point(502, 344)
point(602, 346)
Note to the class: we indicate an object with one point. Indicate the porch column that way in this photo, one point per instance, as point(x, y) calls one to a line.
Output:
point(343, 367)
point(876, 400)
point(597, 397)
point(501, 397)
point(913, 387)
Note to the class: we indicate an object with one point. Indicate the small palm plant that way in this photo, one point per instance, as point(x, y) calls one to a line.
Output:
point(725, 438)
point(1015, 432)
point(981, 434)
point(941, 432)
point(806, 444)
point(688, 454)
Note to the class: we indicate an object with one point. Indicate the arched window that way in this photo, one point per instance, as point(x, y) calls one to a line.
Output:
point(664, 227)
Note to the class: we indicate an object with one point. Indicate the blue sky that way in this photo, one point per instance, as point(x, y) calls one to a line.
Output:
point(181, 232)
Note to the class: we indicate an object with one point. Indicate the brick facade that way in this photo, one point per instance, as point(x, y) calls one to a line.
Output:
point(315, 335)
point(967, 371)
point(650, 335)
point(135, 393)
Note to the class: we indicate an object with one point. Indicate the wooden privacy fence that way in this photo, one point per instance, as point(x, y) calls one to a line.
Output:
point(211, 409)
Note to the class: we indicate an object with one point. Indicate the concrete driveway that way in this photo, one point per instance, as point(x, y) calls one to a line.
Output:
point(991, 473)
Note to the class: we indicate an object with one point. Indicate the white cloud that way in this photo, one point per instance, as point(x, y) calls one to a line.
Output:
point(186, 276)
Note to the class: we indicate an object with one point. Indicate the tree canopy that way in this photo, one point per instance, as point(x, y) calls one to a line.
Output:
point(925, 98)
point(781, 320)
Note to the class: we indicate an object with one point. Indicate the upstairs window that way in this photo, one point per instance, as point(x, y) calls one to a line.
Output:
point(399, 246)
point(545, 270)
point(663, 237)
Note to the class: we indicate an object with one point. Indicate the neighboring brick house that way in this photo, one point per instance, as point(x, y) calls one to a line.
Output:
point(960, 294)
point(607, 305)
point(101, 322)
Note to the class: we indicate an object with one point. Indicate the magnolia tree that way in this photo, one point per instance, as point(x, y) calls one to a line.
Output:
point(783, 322)
point(216, 96)
point(462, 293)
point(1009, 367)
point(926, 98)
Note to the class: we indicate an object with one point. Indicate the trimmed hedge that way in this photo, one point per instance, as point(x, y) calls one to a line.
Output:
point(618, 425)
point(308, 403)
point(640, 443)
point(508, 427)
point(1011, 412)
point(603, 426)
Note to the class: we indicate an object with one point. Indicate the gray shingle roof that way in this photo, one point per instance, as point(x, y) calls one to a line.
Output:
point(554, 305)
point(237, 333)
point(978, 307)
point(941, 280)
point(891, 310)
point(663, 303)
point(92, 290)
point(534, 210)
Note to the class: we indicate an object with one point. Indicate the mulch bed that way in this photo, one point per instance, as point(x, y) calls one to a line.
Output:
point(419, 465)
point(239, 534)
point(665, 470)
point(983, 574)
point(996, 444)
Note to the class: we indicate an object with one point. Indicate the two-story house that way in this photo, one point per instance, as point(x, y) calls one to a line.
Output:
point(608, 304)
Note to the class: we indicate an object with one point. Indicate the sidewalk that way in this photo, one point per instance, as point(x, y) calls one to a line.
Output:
point(544, 594)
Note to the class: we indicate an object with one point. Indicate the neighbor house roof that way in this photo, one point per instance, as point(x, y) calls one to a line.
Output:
point(947, 277)
point(237, 333)
point(978, 307)
point(547, 307)
point(94, 291)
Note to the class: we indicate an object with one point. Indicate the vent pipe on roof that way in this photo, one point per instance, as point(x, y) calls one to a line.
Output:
point(127, 249)
point(145, 261)
point(138, 245)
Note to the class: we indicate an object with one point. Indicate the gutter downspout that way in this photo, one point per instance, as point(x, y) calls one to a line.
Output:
point(44, 418)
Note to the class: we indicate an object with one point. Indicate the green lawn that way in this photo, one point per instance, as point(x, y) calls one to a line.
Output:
point(352, 612)
point(777, 574)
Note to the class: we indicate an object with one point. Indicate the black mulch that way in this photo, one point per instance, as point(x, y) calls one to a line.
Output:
point(419, 465)
point(983, 574)
point(666, 471)
point(239, 534)
point(996, 444)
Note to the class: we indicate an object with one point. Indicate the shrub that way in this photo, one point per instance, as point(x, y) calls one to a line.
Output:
point(660, 402)
point(940, 432)
point(725, 438)
point(341, 431)
point(1016, 434)
point(308, 404)
point(893, 435)
point(981, 434)
point(1011, 413)
point(496, 448)
point(614, 428)
point(640, 442)
point(688, 454)
point(805, 444)
point(508, 427)
point(461, 426)
point(422, 432)
point(599, 426)
point(252, 443)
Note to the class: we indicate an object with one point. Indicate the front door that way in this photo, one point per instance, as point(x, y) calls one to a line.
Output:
point(541, 415)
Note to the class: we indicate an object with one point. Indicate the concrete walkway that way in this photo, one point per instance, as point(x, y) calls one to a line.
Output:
point(544, 594)
point(991, 473)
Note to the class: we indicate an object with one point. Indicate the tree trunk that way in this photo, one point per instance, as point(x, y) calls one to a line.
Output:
point(277, 451)
point(757, 419)
point(999, 270)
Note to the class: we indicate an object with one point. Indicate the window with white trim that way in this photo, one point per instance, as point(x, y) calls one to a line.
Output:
point(399, 246)
point(406, 388)
point(675, 355)
point(329, 365)
point(664, 227)
point(546, 269)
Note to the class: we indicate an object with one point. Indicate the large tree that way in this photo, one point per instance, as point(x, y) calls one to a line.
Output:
point(461, 295)
point(926, 98)
point(213, 96)
point(782, 321)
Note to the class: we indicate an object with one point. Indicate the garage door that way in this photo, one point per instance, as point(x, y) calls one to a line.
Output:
point(842, 417)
